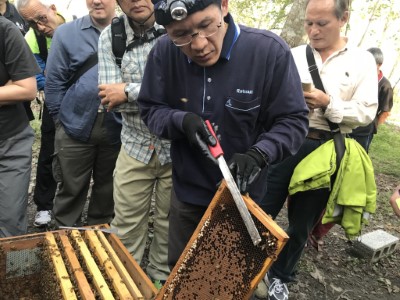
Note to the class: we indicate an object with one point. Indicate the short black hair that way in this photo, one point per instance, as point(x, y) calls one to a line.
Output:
point(378, 55)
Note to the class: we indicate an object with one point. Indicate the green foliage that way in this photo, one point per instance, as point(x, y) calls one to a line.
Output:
point(385, 150)
point(261, 14)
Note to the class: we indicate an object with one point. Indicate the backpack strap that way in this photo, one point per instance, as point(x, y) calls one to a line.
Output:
point(89, 63)
point(42, 43)
point(118, 37)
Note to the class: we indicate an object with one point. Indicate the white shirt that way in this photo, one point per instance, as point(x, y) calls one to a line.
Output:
point(349, 78)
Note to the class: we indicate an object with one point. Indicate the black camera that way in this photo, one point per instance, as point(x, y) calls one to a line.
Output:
point(167, 11)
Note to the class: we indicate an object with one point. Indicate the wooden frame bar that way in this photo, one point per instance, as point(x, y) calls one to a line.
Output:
point(105, 261)
point(75, 267)
point(127, 279)
point(98, 279)
point(67, 288)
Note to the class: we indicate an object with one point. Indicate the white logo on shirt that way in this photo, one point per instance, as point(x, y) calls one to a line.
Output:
point(240, 91)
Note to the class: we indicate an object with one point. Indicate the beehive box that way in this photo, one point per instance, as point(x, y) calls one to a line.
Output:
point(70, 264)
point(220, 261)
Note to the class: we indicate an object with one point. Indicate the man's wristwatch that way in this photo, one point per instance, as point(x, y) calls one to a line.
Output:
point(126, 90)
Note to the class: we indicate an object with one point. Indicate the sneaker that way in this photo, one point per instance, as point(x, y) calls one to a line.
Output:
point(159, 284)
point(277, 290)
point(42, 218)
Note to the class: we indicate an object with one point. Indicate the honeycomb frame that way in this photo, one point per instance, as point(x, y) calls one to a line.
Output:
point(220, 261)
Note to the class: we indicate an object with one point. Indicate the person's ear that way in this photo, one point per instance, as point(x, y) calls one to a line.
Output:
point(224, 7)
point(345, 17)
point(53, 7)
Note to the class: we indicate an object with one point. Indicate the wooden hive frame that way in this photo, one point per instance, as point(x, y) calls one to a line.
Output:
point(88, 265)
point(210, 282)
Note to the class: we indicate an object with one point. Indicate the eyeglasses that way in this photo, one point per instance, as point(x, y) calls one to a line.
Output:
point(41, 20)
point(208, 31)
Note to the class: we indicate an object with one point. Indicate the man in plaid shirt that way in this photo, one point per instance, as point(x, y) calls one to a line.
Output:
point(143, 167)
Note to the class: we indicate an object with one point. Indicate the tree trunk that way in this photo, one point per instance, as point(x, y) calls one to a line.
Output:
point(293, 30)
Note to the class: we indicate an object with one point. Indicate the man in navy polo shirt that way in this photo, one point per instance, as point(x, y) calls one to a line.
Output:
point(242, 79)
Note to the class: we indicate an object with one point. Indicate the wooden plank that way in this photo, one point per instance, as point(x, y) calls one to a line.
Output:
point(80, 279)
point(106, 262)
point(14, 244)
point(101, 285)
point(143, 282)
point(130, 284)
point(67, 288)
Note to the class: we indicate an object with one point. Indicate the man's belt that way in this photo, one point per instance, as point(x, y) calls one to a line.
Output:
point(318, 134)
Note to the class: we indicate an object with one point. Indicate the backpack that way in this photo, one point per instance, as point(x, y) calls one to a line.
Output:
point(118, 37)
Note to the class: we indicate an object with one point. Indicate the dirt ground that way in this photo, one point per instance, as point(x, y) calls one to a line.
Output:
point(335, 272)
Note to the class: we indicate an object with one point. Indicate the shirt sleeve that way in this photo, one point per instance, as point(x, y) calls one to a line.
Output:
point(40, 78)
point(57, 74)
point(385, 96)
point(19, 59)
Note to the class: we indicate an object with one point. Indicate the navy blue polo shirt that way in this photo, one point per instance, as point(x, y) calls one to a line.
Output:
point(253, 93)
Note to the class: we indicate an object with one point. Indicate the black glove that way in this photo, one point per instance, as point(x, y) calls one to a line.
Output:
point(198, 135)
point(246, 167)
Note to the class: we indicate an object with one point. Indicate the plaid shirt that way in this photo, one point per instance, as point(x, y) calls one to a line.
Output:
point(136, 138)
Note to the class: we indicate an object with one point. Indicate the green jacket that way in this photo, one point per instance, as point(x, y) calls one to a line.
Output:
point(353, 195)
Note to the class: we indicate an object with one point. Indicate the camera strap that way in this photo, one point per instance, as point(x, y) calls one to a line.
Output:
point(338, 138)
point(146, 37)
point(118, 36)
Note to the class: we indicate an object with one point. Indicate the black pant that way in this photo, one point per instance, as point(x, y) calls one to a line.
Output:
point(183, 221)
point(305, 209)
point(45, 188)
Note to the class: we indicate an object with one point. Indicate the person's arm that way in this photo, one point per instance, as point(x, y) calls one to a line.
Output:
point(18, 91)
point(382, 117)
point(113, 89)
point(111, 85)
point(395, 202)
point(57, 73)
point(385, 101)
point(21, 68)
point(40, 78)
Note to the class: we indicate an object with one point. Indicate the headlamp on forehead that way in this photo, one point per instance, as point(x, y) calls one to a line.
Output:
point(167, 11)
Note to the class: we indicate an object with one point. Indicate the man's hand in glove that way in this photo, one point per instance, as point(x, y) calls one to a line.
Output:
point(198, 135)
point(246, 167)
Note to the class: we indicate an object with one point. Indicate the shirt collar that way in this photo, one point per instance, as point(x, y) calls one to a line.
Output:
point(129, 30)
point(87, 22)
point(9, 10)
point(230, 38)
point(380, 75)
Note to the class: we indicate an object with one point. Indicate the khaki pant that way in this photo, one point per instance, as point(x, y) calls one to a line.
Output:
point(135, 184)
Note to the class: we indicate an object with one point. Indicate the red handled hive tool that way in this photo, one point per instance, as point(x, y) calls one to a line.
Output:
point(217, 153)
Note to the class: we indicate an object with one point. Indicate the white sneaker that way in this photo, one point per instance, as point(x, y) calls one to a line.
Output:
point(42, 218)
point(277, 290)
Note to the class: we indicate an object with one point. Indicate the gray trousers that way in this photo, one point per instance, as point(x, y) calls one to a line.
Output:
point(74, 164)
point(15, 175)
